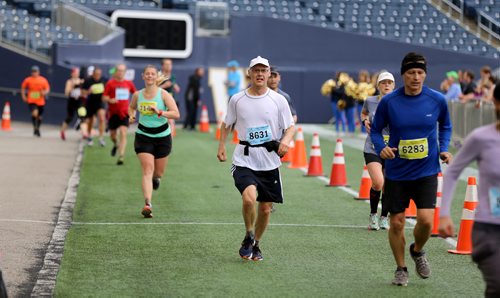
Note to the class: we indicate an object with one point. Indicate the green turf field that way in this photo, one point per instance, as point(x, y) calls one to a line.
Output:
point(317, 243)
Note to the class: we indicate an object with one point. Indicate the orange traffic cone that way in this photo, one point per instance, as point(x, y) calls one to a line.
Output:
point(289, 155)
point(299, 159)
point(217, 131)
point(464, 242)
point(6, 117)
point(411, 211)
point(435, 225)
point(204, 122)
point(365, 186)
point(338, 176)
point(315, 163)
point(235, 137)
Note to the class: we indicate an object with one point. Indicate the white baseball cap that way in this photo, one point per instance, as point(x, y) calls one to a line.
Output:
point(385, 76)
point(258, 60)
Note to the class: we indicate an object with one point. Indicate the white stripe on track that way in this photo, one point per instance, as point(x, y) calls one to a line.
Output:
point(215, 224)
point(28, 221)
point(410, 221)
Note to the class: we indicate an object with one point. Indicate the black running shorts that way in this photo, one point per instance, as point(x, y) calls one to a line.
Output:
point(370, 157)
point(33, 107)
point(423, 191)
point(93, 106)
point(158, 147)
point(115, 121)
point(268, 183)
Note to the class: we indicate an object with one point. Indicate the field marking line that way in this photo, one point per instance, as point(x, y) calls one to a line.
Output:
point(28, 221)
point(46, 278)
point(410, 221)
point(216, 224)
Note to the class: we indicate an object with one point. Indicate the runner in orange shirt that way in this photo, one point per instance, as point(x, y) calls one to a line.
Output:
point(33, 90)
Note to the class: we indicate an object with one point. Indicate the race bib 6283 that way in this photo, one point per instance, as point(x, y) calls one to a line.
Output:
point(413, 149)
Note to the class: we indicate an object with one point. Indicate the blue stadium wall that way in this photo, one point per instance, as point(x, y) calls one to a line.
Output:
point(306, 55)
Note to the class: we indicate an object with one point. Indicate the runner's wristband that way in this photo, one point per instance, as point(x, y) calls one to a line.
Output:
point(363, 121)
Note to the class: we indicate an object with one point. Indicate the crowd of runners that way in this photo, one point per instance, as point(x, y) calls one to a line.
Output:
point(408, 130)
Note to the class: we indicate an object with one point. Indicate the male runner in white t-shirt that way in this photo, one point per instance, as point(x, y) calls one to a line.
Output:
point(265, 127)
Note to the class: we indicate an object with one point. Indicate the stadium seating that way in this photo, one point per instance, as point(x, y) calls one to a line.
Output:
point(409, 21)
point(33, 32)
point(490, 7)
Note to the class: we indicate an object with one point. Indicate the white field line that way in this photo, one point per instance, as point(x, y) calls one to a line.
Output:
point(215, 224)
point(27, 221)
point(355, 194)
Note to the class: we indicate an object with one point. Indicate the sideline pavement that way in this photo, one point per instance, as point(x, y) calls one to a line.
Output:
point(34, 175)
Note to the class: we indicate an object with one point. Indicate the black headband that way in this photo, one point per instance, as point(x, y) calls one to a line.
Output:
point(411, 65)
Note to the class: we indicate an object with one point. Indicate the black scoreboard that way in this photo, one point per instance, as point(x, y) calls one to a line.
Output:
point(155, 34)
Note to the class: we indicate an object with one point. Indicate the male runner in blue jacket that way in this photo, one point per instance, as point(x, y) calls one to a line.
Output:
point(412, 158)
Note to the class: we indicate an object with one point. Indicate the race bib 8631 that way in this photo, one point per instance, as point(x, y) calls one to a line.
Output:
point(259, 135)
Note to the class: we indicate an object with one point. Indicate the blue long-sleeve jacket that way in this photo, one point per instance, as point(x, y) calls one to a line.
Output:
point(410, 118)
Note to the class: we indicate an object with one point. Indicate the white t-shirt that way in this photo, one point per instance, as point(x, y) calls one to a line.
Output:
point(258, 119)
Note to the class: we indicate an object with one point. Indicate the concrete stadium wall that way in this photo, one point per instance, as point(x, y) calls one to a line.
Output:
point(306, 56)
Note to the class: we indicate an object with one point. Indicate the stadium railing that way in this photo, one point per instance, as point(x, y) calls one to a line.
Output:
point(465, 117)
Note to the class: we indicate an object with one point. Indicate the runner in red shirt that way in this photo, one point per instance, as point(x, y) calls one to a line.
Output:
point(117, 94)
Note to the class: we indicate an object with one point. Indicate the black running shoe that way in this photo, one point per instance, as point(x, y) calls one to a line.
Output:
point(120, 161)
point(113, 150)
point(257, 254)
point(36, 132)
point(246, 248)
point(156, 183)
point(147, 211)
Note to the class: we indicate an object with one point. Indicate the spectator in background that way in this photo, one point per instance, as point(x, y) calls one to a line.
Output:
point(117, 93)
point(484, 84)
point(274, 83)
point(33, 91)
point(76, 105)
point(170, 85)
point(363, 77)
point(454, 91)
point(469, 87)
point(192, 97)
point(338, 102)
point(488, 96)
point(93, 88)
point(233, 78)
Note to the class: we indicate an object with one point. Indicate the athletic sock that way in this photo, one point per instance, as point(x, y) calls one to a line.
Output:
point(399, 268)
point(38, 123)
point(385, 208)
point(249, 234)
point(33, 120)
point(374, 199)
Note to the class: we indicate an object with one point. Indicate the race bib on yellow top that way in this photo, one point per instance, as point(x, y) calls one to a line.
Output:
point(122, 94)
point(259, 135)
point(413, 149)
point(97, 88)
point(146, 107)
point(386, 139)
point(34, 95)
